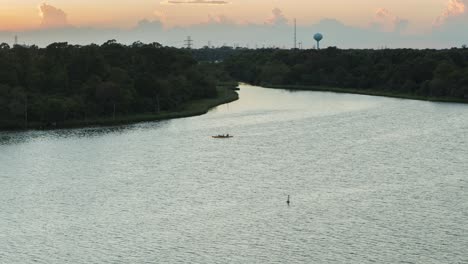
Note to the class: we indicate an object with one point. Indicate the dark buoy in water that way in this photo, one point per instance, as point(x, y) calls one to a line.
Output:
point(288, 201)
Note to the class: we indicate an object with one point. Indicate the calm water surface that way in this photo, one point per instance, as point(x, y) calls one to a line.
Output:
point(371, 179)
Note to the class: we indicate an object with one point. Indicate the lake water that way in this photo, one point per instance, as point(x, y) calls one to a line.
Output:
point(371, 179)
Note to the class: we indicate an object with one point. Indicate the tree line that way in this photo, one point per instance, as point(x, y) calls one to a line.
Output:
point(418, 73)
point(65, 82)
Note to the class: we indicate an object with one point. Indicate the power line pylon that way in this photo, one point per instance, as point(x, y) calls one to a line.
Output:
point(189, 42)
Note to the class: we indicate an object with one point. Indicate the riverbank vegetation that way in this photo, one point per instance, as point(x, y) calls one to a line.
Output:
point(440, 75)
point(68, 85)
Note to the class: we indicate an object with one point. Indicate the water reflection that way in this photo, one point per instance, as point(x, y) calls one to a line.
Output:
point(368, 177)
point(19, 137)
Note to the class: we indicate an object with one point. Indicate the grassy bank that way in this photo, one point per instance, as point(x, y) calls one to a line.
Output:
point(365, 92)
point(192, 108)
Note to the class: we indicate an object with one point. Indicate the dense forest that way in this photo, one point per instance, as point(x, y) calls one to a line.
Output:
point(50, 86)
point(423, 74)
point(216, 55)
point(63, 82)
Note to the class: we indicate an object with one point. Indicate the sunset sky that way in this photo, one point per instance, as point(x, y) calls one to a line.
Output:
point(409, 17)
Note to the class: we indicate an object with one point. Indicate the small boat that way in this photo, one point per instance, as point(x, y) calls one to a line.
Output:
point(223, 136)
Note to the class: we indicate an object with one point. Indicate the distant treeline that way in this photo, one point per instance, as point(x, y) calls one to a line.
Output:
point(207, 54)
point(435, 74)
point(66, 82)
point(62, 82)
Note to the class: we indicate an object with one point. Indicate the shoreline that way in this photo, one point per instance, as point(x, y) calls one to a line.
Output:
point(364, 92)
point(193, 108)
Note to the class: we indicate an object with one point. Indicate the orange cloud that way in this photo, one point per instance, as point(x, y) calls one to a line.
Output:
point(388, 21)
point(454, 8)
point(52, 17)
point(277, 18)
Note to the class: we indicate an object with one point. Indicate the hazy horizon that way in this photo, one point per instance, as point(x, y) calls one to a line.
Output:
point(361, 24)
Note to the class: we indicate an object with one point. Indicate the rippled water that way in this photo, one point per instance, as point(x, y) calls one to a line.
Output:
point(371, 179)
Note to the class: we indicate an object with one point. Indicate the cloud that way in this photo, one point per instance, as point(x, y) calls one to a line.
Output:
point(387, 21)
point(451, 24)
point(160, 16)
point(454, 8)
point(220, 19)
point(198, 2)
point(52, 17)
point(220, 30)
point(277, 18)
point(146, 24)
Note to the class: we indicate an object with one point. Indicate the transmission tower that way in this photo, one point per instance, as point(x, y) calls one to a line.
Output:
point(189, 42)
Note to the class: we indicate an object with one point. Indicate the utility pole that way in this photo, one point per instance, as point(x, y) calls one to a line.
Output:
point(16, 40)
point(295, 34)
point(189, 42)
